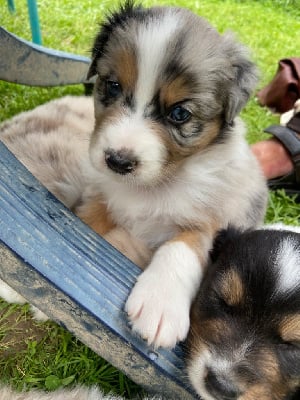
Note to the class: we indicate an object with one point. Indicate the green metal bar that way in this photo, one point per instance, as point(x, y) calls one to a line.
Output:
point(11, 6)
point(34, 21)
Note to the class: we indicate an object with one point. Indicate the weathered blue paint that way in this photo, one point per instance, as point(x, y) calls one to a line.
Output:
point(56, 262)
point(30, 64)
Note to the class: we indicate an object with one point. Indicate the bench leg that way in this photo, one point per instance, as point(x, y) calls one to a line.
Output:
point(34, 21)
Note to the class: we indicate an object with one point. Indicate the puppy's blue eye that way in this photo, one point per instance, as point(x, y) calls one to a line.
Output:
point(179, 115)
point(113, 89)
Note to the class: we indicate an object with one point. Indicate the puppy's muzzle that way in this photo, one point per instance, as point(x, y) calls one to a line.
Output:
point(220, 386)
point(122, 161)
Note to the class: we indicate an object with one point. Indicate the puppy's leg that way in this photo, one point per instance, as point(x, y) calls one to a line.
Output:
point(131, 247)
point(160, 301)
point(95, 214)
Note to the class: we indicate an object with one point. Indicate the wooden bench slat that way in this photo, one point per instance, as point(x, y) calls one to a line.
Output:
point(73, 275)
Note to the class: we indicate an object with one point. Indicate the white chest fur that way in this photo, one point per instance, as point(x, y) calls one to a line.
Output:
point(152, 216)
point(212, 187)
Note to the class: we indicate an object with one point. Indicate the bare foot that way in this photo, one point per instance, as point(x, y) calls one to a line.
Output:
point(273, 158)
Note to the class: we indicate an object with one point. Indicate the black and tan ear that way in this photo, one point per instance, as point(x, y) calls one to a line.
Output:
point(222, 240)
point(114, 20)
point(244, 77)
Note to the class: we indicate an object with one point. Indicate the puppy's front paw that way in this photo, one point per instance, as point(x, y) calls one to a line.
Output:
point(38, 315)
point(9, 294)
point(159, 310)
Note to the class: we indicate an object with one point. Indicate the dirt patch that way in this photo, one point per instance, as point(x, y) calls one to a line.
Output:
point(17, 328)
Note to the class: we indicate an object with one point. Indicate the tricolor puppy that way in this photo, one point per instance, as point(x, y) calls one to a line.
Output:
point(170, 166)
point(244, 341)
point(172, 161)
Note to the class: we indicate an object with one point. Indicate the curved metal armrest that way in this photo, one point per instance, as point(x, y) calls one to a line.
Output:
point(27, 63)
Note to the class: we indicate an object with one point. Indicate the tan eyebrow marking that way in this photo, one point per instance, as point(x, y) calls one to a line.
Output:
point(232, 288)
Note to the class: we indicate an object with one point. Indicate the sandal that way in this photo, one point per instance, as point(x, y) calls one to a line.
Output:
point(289, 136)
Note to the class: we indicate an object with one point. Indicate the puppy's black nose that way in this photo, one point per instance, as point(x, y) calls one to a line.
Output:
point(220, 386)
point(123, 161)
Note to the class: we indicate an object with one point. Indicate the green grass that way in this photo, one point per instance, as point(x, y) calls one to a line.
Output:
point(46, 356)
point(49, 357)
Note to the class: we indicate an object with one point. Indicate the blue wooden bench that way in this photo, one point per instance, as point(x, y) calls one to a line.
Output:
point(60, 265)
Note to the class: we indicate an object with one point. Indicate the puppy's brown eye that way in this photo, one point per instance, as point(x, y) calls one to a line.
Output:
point(112, 89)
point(179, 115)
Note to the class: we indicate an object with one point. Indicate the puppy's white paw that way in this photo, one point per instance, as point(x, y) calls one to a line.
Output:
point(38, 315)
point(159, 304)
point(10, 295)
point(159, 310)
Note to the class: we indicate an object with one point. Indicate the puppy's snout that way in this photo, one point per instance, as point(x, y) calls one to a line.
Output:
point(220, 386)
point(122, 161)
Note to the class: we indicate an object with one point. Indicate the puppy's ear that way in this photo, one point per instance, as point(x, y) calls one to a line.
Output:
point(244, 77)
point(222, 241)
point(92, 69)
point(113, 21)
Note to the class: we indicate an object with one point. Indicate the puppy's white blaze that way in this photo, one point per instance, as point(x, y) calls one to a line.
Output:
point(198, 366)
point(288, 264)
point(132, 133)
point(196, 372)
point(151, 55)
